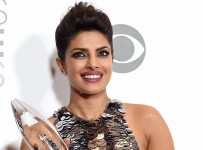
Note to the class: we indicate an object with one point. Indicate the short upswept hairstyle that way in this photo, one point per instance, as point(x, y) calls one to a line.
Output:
point(81, 17)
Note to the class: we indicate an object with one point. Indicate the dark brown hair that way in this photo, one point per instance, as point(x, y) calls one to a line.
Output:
point(81, 17)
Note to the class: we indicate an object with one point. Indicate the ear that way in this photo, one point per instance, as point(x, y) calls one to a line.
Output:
point(61, 66)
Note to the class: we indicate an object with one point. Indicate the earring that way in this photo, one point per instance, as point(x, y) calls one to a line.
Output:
point(63, 72)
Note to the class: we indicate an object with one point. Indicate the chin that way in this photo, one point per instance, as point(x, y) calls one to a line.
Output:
point(91, 92)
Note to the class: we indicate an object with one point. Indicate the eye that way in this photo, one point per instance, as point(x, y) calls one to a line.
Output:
point(78, 55)
point(103, 53)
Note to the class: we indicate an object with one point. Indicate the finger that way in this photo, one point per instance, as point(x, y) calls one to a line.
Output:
point(67, 141)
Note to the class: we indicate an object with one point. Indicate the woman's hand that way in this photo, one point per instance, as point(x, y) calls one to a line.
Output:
point(67, 142)
point(41, 135)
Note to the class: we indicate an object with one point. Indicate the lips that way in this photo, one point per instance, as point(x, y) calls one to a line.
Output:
point(92, 76)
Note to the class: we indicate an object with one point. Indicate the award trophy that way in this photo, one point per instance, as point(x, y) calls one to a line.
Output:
point(37, 131)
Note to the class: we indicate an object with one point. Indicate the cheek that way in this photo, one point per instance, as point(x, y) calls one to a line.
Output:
point(107, 65)
point(74, 68)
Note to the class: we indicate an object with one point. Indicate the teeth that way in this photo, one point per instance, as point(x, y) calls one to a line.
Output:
point(92, 76)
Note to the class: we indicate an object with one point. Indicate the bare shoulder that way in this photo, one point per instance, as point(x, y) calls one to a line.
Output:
point(142, 112)
point(139, 108)
point(149, 127)
point(142, 118)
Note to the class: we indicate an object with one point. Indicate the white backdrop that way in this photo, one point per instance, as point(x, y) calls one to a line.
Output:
point(170, 77)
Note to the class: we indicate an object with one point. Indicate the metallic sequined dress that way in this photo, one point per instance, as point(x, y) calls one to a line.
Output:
point(109, 132)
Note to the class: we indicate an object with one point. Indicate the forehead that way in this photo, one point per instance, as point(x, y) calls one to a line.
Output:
point(89, 39)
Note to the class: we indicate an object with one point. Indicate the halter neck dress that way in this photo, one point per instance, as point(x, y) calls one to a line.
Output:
point(108, 132)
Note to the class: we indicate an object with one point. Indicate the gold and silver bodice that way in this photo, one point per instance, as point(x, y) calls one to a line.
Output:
point(109, 132)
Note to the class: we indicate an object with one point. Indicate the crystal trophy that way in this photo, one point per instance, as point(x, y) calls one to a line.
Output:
point(37, 131)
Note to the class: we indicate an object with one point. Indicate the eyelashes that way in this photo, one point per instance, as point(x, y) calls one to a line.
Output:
point(82, 54)
point(78, 55)
point(103, 53)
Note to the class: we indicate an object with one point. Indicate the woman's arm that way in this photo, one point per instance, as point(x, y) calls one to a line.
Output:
point(158, 132)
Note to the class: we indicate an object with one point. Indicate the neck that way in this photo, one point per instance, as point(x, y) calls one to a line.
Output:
point(88, 106)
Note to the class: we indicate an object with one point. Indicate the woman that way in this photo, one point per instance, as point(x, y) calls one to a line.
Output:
point(92, 120)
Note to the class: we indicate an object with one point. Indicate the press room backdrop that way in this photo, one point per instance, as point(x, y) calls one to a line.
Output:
point(158, 61)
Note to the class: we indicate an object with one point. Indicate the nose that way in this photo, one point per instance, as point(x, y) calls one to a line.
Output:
point(92, 63)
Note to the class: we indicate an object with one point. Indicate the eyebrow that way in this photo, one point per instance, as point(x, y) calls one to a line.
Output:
point(86, 49)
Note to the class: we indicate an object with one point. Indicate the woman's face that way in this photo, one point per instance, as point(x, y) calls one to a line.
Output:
point(88, 62)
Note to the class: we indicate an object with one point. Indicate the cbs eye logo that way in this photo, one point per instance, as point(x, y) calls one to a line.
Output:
point(129, 48)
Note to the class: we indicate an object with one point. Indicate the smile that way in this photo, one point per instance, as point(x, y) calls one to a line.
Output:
point(92, 76)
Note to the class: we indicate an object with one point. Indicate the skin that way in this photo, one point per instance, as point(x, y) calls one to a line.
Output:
point(90, 51)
